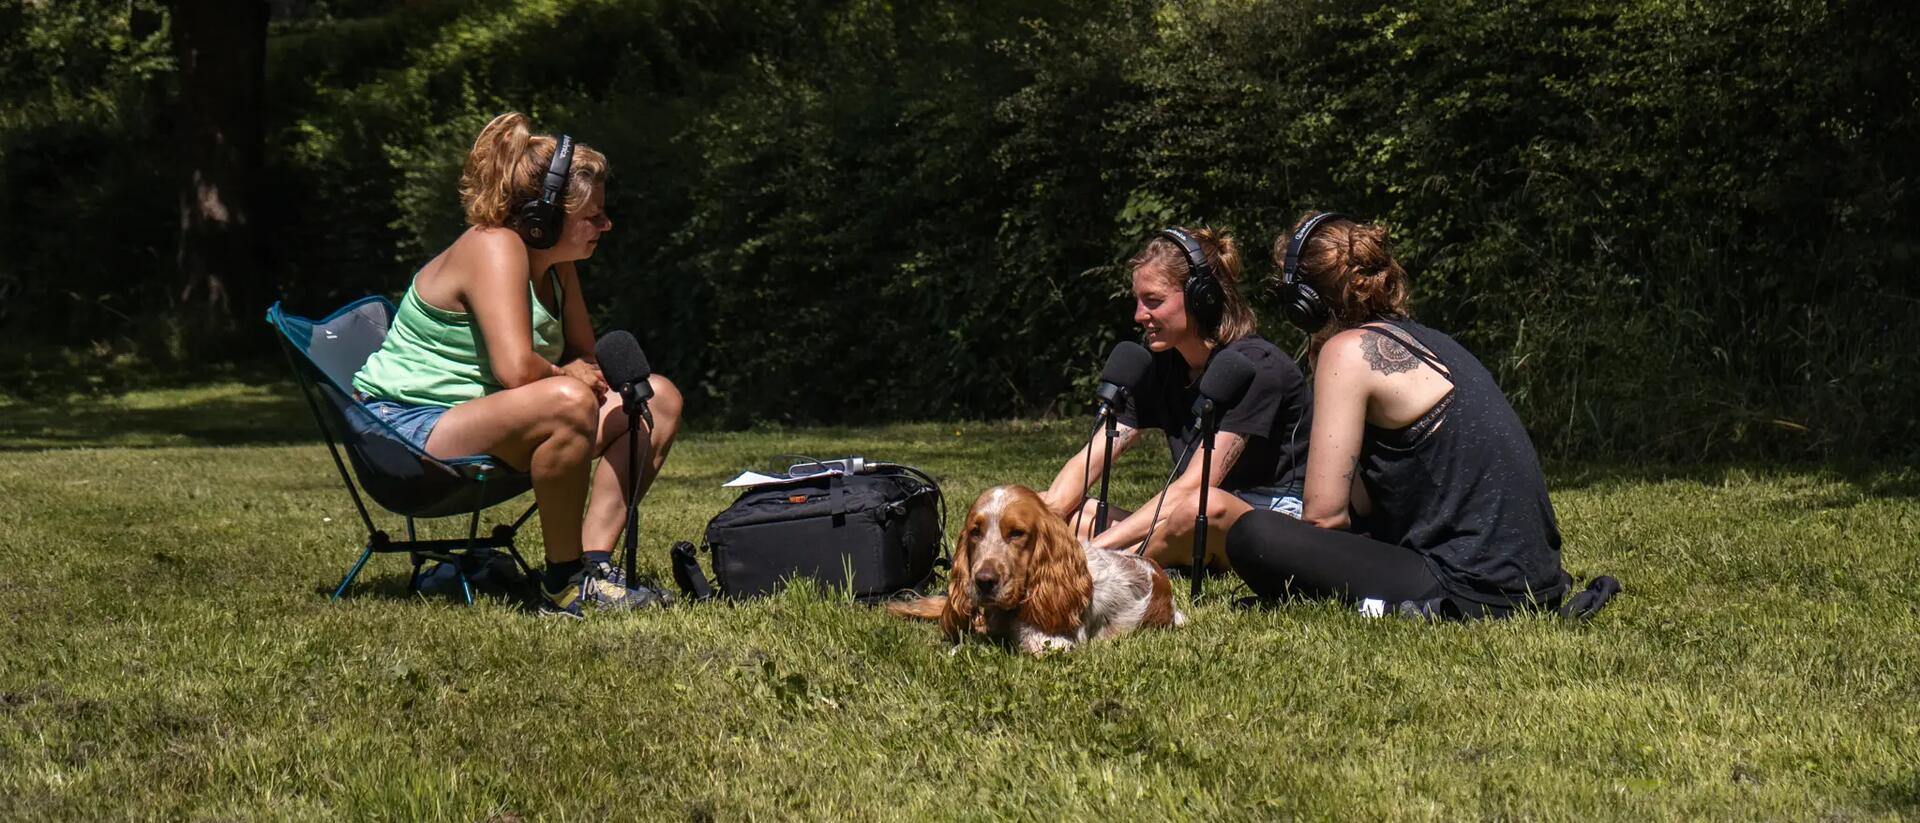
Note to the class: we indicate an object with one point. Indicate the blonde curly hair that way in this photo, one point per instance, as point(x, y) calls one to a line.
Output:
point(507, 163)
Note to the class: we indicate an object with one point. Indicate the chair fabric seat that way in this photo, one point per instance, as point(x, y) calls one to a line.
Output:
point(398, 476)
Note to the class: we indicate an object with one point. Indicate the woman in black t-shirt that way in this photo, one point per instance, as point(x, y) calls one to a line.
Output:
point(1262, 440)
point(1423, 490)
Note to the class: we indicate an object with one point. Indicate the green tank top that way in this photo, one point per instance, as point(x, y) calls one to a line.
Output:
point(435, 357)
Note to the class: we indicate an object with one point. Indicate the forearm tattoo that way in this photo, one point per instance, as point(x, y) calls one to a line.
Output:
point(1385, 354)
point(1124, 435)
point(1229, 452)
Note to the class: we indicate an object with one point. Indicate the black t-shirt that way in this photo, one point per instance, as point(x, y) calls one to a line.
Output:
point(1274, 416)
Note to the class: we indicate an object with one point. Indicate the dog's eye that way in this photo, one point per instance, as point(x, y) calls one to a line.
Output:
point(1015, 534)
point(974, 533)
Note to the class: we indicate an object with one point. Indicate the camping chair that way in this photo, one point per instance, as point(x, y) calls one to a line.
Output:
point(401, 478)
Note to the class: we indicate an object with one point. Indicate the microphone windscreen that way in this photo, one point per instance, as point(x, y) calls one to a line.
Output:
point(621, 360)
point(1227, 378)
point(1127, 366)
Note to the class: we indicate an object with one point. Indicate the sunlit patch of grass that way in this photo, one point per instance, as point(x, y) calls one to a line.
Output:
point(170, 653)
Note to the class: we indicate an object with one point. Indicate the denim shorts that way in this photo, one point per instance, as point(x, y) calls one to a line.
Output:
point(413, 423)
point(1285, 501)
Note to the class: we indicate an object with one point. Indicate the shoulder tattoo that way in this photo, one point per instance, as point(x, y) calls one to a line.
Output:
point(1385, 354)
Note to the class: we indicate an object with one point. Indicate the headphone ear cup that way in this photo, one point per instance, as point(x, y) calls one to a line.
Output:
point(1204, 300)
point(537, 226)
point(1304, 308)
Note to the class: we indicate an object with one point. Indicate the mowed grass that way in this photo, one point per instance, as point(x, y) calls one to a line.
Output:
point(169, 653)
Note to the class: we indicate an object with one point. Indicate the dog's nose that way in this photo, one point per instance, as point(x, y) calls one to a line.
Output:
point(986, 579)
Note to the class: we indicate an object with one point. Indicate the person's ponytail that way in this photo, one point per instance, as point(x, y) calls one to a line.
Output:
point(1352, 268)
point(493, 175)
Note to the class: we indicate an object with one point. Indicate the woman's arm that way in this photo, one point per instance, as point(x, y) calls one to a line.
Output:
point(1068, 490)
point(576, 325)
point(495, 293)
point(1340, 394)
point(1181, 499)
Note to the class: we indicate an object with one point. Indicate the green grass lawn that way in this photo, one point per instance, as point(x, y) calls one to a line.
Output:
point(167, 651)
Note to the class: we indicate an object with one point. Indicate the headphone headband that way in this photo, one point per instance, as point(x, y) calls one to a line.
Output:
point(1298, 301)
point(1290, 267)
point(1197, 265)
point(1206, 301)
point(542, 218)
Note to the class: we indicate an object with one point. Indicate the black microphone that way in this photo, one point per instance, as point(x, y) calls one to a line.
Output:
point(1225, 382)
point(1126, 369)
point(625, 367)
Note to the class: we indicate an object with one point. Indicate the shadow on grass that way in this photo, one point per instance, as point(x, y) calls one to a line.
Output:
point(259, 414)
point(392, 585)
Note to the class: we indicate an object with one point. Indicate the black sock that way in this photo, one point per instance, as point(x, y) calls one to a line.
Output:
point(558, 574)
point(598, 557)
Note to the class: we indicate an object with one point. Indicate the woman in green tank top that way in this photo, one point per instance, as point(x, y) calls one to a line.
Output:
point(491, 352)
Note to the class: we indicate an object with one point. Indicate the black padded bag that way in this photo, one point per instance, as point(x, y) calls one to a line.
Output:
point(876, 534)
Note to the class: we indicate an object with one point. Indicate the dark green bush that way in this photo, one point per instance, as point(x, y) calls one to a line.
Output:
point(1670, 228)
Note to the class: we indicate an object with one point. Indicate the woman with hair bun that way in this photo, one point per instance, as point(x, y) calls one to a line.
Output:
point(491, 352)
point(1262, 439)
point(1423, 490)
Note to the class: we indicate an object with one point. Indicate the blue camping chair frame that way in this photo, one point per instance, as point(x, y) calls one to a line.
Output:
point(401, 478)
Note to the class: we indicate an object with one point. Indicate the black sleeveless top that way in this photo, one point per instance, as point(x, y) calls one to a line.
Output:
point(1463, 486)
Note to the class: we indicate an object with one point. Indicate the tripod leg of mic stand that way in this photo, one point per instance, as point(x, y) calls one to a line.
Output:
point(633, 506)
point(1106, 472)
point(1200, 520)
point(1199, 548)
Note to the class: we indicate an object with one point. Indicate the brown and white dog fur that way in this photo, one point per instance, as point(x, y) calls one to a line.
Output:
point(1021, 578)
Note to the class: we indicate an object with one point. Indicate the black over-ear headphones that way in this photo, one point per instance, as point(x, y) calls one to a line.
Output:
point(1298, 301)
point(540, 220)
point(1205, 299)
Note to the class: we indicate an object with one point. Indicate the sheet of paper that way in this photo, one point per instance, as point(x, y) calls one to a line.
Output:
point(751, 479)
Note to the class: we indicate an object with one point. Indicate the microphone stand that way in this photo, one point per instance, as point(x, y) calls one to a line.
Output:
point(1199, 569)
point(1106, 472)
point(634, 407)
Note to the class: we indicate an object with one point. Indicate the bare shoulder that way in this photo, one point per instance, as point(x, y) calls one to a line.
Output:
point(1344, 356)
point(491, 254)
point(491, 242)
point(1363, 349)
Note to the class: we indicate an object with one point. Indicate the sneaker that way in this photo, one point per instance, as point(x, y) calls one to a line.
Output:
point(648, 595)
point(570, 600)
point(607, 571)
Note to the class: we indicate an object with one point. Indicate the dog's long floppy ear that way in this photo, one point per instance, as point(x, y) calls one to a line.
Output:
point(957, 619)
point(1059, 586)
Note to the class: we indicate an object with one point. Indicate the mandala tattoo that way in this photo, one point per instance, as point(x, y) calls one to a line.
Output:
point(1385, 354)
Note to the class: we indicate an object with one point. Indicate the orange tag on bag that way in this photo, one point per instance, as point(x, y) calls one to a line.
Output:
point(798, 498)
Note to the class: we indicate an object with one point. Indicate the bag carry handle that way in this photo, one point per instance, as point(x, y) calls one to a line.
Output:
point(687, 574)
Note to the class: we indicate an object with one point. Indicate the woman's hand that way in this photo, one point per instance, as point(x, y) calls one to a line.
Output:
point(589, 374)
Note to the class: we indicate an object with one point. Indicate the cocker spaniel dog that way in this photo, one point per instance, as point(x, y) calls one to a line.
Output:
point(1020, 577)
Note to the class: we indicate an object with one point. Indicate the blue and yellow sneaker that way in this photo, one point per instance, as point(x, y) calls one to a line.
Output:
point(588, 587)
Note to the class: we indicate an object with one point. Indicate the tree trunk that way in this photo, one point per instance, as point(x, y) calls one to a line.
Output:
point(221, 47)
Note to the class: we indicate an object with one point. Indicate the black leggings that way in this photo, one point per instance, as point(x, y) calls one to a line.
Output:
point(1280, 556)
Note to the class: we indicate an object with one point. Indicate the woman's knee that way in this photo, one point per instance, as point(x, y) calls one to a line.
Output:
point(667, 403)
point(1252, 541)
point(574, 406)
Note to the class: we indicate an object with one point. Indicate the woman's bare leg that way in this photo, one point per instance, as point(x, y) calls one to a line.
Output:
point(606, 508)
point(545, 428)
point(1172, 541)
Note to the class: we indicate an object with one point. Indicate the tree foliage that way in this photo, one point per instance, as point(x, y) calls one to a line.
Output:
point(1669, 227)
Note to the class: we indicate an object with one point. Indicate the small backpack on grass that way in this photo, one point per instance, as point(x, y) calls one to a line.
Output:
point(874, 533)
